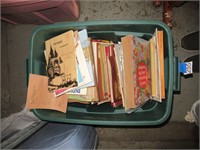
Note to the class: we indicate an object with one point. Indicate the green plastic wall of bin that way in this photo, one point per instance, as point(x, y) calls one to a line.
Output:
point(151, 114)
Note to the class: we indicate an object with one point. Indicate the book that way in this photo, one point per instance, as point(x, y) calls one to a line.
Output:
point(120, 67)
point(91, 96)
point(95, 43)
point(83, 70)
point(115, 92)
point(86, 45)
point(92, 91)
point(76, 91)
point(155, 69)
point(38, 96)
point(161, 56)
point(99, 54)
point(81, 60)
point(137, 85)
point(61, 61)
point(102, 68)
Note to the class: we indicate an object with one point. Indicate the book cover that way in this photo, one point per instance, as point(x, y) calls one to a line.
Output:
point(60, 91)
point(61, 61)
point(83, 70)
point(137, 83)
point(91, 96)
point(141, 72)
point(86, 45)
point(81, 60)
point(38, 96)
point(129, 101)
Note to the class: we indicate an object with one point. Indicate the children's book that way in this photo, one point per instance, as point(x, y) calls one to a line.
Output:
point(137, 82)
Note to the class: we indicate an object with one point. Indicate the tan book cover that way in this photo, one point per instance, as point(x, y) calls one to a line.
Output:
point(128, 72)
point(61, 61)
point(161, 54)
point(38, 96)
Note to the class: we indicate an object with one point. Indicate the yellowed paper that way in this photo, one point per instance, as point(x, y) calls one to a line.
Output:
point(38, 96)
point(61, 61)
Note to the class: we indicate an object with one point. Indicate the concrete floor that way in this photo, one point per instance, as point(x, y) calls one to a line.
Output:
point(177, 133)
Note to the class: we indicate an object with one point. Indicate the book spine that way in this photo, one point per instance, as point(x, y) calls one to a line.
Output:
point(153, 68)
point(128, 72)
point(162, 73)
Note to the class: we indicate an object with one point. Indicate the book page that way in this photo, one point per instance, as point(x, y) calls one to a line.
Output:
point(38, 96)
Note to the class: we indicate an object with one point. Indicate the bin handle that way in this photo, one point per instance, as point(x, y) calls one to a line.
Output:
point(177, 76)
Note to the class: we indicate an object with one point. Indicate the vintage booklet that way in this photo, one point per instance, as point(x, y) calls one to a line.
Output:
point(61, 61)
point(38, 96)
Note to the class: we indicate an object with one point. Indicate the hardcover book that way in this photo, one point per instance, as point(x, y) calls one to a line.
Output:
point(137, 82)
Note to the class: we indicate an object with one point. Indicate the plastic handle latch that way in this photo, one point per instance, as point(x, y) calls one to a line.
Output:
point(176, 84)
point(185, 68)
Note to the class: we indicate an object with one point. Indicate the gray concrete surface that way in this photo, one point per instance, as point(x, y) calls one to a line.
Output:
point(180, 134)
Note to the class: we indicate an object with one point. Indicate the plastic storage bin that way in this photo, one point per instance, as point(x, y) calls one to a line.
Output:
point(39, 12)
point(151, 114)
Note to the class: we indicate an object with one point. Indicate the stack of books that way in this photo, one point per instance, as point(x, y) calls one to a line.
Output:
point(95, 71)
